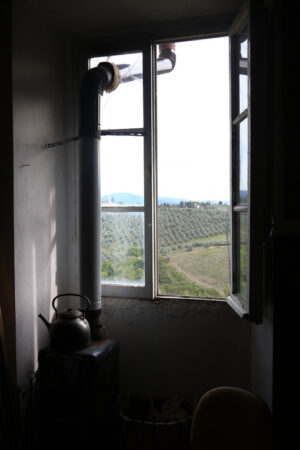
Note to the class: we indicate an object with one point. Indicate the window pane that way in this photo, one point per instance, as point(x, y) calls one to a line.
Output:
point(243, 162)
point(193, 171)
point(122, 170)
point(194, 250)
point(243, 73)
point(242, 253)
point(122, 257)
point(123, 108)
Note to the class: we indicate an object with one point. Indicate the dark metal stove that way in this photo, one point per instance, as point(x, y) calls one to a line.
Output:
point(78, 397)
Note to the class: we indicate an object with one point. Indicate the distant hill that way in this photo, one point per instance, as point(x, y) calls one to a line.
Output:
point(126, 198)
point(171, 200)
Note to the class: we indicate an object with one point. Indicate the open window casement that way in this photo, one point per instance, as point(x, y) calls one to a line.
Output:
point(131, 162)
point(247, 162)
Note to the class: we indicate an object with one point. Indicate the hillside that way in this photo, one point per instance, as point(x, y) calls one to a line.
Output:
point(178, 226)
point(193, 248)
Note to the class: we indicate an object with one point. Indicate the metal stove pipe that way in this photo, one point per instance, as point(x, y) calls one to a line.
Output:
point(105, 77)
point(95, 81)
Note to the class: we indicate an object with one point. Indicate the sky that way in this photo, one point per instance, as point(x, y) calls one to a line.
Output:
point(192, 126)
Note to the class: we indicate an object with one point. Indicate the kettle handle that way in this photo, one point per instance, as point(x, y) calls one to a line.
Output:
point(71, 295)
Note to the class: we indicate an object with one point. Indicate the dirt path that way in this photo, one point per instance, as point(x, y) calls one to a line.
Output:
point(190, 277)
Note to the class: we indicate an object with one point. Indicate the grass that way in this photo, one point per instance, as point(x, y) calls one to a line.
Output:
point(205, 266)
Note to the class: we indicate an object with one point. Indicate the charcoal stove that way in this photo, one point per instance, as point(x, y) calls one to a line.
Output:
point(78, 396)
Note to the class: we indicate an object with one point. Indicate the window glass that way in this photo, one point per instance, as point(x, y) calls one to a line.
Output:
point(243, 160)
point(193, 171)
point(194, 250)
point(122, 170)
point(122, 236)
point(243, 73)
point(123, 108)
point(243, 253)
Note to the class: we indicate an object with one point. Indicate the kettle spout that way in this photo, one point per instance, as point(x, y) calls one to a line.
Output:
point(48, 325)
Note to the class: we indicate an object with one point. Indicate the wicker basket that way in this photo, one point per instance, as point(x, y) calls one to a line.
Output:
point(140, 434)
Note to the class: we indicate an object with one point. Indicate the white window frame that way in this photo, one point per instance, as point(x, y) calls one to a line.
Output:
point(199, 29)
point(136, 291)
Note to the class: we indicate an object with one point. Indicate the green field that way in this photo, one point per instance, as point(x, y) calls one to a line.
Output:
point(206, 266)
point(193, 249)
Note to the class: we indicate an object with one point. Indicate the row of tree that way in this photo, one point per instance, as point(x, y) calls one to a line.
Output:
point(180, 228)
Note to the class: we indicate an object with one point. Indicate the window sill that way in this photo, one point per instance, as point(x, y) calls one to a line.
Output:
point(120, 291)
point(162, 299)
point(173, 305)
point(234, 302)
point(189, 299)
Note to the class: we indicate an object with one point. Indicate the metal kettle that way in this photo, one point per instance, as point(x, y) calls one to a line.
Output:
point(69, 330)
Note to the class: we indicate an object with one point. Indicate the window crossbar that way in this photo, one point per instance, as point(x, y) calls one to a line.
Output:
point(120, 132)
point(122, 209)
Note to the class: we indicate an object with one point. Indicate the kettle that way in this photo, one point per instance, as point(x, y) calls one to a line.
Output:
point(69, 330)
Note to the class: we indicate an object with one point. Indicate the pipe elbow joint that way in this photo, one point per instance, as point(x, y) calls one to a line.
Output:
point(104, 77)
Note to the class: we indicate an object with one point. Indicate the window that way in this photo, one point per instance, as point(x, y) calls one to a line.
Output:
point(240, 161)
point(124, 185)
point(193, 230)
point(178, 205)
point(248, 165)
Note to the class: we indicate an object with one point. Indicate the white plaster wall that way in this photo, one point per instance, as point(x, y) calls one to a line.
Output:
point(178, 346)
point(39, 179)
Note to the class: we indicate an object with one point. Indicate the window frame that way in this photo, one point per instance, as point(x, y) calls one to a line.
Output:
point(205, 27)
point(237, 301)
point(251, 307)
point(136, 291)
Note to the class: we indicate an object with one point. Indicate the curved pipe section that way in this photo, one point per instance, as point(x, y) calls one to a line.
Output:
point(166, 54)
point(93, 85)
point(165, 63)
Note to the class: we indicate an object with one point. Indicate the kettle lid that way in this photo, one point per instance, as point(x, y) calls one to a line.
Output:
point(70, 314)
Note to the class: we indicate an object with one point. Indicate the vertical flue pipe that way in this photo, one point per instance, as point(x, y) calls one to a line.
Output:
point(94, 83)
